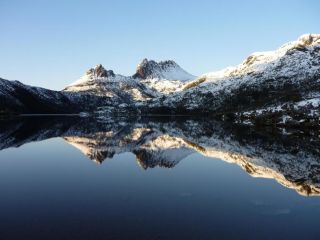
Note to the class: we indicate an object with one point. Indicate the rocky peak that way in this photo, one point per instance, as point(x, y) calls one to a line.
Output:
point(96, 73)
point(150, 68)
point(145, 68)
point(309, 39)
point(162, 70)
point(100, 72)
point(301, 44)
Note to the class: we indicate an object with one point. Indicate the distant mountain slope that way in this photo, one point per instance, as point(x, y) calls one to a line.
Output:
point(17, 97)
point(287, 76)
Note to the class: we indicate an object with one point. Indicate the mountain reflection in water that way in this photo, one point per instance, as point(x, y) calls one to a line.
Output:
point(291, 158)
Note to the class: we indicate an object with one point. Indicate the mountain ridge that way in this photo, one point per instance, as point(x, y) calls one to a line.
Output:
point(270, 88)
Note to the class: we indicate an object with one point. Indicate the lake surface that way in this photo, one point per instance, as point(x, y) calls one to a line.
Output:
point(79, 178)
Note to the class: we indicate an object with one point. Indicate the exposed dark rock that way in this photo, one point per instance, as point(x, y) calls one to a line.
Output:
point(152, 69)
point(100, 72)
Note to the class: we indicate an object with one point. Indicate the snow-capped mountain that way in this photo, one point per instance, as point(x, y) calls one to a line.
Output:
point(101, 82)
point(163, 77)
point(95, 74)
point(169, 70)
point(280, 87)
point(151, 80)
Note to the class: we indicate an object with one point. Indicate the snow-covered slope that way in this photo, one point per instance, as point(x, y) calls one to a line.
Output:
point(163, 77)
point(289, 59)
point(287, 75)
point(169, 70)
point(95, 74)
point(16, 97)
point(104, 83)
point(151, 79)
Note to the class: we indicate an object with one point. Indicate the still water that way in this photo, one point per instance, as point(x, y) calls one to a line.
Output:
point(73, 178)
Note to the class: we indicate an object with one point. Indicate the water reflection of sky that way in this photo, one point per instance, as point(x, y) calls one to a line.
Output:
point(50, 188)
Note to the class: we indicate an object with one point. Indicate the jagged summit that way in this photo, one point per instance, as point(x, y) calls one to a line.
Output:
point(170, 70)
point(100, 72)
point(304, 40)
point(151, 79)
point(96, 73)
point(146, 69)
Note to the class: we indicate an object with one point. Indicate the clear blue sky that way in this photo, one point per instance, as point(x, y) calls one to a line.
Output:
point(52, 43)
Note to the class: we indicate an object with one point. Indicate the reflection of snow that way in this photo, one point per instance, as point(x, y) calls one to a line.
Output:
point(291, 161)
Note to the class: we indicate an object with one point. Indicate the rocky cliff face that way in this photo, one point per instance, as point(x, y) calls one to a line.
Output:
point(162, 77)
point(163, 70)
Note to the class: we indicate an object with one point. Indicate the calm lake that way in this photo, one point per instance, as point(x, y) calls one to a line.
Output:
point(165, 178)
